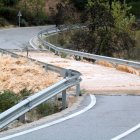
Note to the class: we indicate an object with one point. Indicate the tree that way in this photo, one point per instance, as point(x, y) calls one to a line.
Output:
point(123, 18)
point(109, 29)
point(80, 4)
point(35, 7)
point(66, 14)
point(9, 2)
point(33, 12)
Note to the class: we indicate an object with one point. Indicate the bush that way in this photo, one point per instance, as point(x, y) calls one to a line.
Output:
point(63, 55)
point(24, 93)
point(10, 2)
point(9, 14)
point(24, 23)
point(29, 18)
point(7, 100)
point(47, 109)
point(135, 8)
point(3, 22)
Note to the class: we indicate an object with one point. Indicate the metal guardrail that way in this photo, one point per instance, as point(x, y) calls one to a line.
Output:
point(78, 53)
point(71, 78)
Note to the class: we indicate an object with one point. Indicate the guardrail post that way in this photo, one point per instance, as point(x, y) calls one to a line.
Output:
point(56, 53)
point(22, 118)
point(49, 49)
point(69, 73)
point(64, 100)
point(46, 67)
point(78, 93)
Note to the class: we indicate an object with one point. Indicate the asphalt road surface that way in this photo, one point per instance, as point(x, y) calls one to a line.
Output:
point(111, 116)
point(18, 38)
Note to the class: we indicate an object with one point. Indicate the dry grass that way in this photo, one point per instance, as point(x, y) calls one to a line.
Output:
point(105, 63)
point(128, 69)
point(120, 67)
point(17, 74)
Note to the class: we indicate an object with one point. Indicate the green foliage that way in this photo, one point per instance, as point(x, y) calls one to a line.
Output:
point(102, 42)
point(99, 15)
point(109, 32)
point(66, 14)
point(7, 100)
point(9, 14)
point(123, 18)
point(3, 22)
point(33, 12)
point(135, 8)
point(80, 4)
point(63, 55)
point(9, 2)
point(47, 108)
point(24, 93)
point(34, 7)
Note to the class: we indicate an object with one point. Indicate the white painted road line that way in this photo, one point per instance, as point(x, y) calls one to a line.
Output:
point(31, 43)
point(92, 103)
point(126, 133)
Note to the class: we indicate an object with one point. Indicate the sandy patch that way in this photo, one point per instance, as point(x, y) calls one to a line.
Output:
point(96, 78)
point(17, 74)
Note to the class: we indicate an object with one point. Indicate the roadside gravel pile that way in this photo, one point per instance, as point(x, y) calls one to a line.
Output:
point(18, 74)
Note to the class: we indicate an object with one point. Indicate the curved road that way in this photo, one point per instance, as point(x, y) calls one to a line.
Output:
point(18, 38)
point(111, 116)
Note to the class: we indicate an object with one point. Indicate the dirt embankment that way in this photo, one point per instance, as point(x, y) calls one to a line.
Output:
point(17, 74)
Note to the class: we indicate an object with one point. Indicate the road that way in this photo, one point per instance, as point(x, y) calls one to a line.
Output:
point(18, 38)
point(111, 116)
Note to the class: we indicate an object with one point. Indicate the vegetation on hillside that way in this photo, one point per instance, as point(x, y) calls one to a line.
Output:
point(109, 29)
point(135, 8)
point(20, 78)
point(111, 26)
point(8, 98)
point(33, 12)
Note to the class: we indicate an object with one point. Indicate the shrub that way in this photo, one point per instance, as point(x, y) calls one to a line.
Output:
point(24, 93)
point(9, 14)
point(135, 8)
point(63, 55)
point(10, 2)
point(24, 23)
point(3, 22)
point(7, 100)
point(47, 108)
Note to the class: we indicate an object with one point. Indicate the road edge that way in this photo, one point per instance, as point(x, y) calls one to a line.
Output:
point(92, 104)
